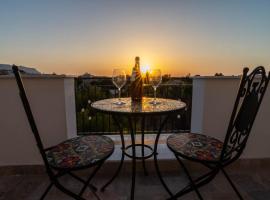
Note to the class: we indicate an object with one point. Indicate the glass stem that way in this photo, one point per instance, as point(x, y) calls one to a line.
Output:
point(119, 95)
point(155, 95)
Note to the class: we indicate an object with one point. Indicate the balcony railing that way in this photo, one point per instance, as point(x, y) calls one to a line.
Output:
point(88, 90)
point(52, 99)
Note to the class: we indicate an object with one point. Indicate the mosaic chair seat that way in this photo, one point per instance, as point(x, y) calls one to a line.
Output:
point(213, 153)
point(80, 152)
point(196, 146)
point(70, 155)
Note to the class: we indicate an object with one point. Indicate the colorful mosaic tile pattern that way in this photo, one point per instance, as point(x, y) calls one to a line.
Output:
point(80, 151)
point(196, 146)
point(163, 105)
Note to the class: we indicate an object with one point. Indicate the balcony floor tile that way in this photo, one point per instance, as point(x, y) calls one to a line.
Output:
point(252, 182)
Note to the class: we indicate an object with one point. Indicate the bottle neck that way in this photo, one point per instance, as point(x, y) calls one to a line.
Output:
point(137, 66)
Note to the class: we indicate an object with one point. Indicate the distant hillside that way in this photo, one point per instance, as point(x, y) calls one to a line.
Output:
point(6, 69)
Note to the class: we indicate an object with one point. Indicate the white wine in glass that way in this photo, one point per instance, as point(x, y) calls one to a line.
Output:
point(155, 79)
point(119, 80)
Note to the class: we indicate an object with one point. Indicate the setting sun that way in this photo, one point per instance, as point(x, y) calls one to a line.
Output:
point(145, 69)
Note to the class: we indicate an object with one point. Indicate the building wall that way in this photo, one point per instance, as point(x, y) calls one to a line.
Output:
point(52, 108)
point(212, 104)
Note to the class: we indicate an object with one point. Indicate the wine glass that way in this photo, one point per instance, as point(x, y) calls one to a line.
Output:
point(119, 80)
point(155, 79)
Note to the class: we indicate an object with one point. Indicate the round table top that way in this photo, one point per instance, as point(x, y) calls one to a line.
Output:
point(145, 107)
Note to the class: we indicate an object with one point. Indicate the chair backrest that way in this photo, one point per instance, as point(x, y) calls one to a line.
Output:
point(29, 114)
point(250, 94)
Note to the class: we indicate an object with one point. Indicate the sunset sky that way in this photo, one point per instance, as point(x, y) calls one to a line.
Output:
point(177, 36)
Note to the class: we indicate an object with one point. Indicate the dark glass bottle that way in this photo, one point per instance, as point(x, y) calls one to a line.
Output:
point(136, 82)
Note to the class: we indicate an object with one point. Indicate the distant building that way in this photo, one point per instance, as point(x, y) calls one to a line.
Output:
point(219, 74)
point(6, 69)
point(86, 75)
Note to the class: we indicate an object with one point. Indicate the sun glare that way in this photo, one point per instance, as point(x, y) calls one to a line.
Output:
point(145, 69)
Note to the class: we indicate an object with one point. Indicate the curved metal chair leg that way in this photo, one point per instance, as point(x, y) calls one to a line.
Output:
point(232, 184)
point(46, 191)
point(89, 179)
point(194, 186)
point(92, 187)
point(67, 192)
point(115, 174)
point(200, 181)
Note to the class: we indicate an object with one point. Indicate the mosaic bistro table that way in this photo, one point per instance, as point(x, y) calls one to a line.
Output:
point(134, 113)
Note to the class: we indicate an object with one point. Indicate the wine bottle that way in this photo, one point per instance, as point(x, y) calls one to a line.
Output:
point(136, 82)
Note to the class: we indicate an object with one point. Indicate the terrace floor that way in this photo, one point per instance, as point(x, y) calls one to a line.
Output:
point(251, 176)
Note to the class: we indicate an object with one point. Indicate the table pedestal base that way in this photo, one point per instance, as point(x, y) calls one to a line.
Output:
point(133, 146)
point(142, 148)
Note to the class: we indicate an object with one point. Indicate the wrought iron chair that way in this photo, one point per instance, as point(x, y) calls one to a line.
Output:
point(69, 156)
point(215, 154)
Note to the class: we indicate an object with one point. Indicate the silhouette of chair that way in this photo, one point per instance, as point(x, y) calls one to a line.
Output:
point(71, 155)
point(215, 154)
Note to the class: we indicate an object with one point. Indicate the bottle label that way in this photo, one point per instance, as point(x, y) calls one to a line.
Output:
point(136, 86)
point(133, 75)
